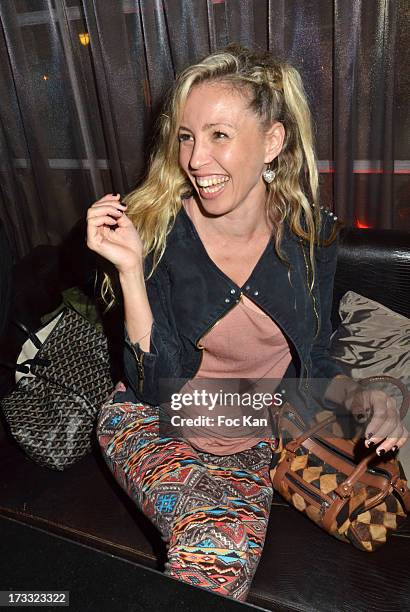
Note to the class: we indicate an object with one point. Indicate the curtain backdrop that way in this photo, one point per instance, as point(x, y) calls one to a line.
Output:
point(81, 82)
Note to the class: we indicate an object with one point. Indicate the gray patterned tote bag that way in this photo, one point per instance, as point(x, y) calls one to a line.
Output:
point(63, 377)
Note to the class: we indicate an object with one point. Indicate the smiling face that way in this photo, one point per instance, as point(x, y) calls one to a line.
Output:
point(223, 148)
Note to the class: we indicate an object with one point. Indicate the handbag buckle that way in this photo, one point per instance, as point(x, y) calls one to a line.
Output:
point(292, 446)
point(399, 484)
point(323, 507)
point(344, 490)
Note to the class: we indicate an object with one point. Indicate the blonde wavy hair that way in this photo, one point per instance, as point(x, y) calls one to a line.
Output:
point(276, 93)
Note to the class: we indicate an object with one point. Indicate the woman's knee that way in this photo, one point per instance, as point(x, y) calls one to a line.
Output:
point(173, 483)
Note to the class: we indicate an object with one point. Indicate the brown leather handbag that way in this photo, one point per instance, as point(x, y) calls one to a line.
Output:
point(346, 489)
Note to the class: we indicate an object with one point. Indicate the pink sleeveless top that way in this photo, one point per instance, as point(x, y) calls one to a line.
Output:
point(248, 350)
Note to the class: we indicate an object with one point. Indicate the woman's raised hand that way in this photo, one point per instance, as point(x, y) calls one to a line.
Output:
point(385, 425)
point(122, 246)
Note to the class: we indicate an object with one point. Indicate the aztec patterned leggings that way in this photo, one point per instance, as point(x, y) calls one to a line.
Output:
point(211, 510)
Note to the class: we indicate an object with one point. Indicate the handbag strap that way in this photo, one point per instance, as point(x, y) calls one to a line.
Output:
point(31, 335)
point(393, 381)
point(24, 367)
point(294, 444)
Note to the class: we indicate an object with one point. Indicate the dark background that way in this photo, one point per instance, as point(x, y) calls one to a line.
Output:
point(76, 119)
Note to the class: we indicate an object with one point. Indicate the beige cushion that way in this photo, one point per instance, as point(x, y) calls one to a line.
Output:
point(370, 340)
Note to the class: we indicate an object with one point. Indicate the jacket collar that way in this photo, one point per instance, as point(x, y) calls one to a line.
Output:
point(273, 285)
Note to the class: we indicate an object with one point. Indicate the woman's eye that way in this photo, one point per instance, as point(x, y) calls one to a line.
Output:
point(220, 135)
point(183, 137)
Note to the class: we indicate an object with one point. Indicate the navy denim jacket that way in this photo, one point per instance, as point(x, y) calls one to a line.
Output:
point(188, 294)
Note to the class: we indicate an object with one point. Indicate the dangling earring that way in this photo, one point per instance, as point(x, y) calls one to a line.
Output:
point(268, 174)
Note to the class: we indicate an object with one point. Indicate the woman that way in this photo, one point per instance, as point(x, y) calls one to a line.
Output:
point(226, 266)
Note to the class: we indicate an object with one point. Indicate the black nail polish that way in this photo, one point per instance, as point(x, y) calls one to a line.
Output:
point(370, 444)
point(380, 452)
point(360, 417)
point(394, 449)
point(369, 435)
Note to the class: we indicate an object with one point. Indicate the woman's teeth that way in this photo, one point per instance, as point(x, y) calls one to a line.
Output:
point(212, 185)
point(212, 189)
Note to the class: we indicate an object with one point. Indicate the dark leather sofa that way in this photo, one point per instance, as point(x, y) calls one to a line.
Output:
point(302, 568)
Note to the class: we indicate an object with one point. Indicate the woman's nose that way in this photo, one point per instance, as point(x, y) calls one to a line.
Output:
point(199, 155)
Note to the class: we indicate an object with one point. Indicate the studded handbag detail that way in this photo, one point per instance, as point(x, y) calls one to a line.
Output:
point(52, 410)
point(337, 482)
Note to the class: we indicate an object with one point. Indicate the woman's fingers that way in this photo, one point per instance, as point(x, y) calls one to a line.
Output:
point(112, 234)
point(391, 441)
point(385, 427)
point(405, 437)
point(102, 220)
point(99, 209)
point(107, 211)
point(385, 424)
point(385, 419)
point(394, 441)
point(109, 201)
point(109, 197)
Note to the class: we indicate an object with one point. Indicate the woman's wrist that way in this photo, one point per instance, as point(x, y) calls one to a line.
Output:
point(138, 317)
point(132, 276)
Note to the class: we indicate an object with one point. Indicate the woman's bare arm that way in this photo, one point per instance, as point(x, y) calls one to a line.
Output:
point(122, 246)
point(137, 311)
